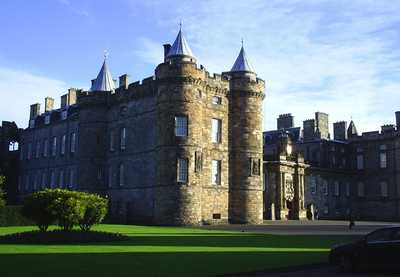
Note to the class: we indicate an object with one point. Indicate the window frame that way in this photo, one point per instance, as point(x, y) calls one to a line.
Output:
point(216, 130)
point(182, 170)
point(216, 172)
point(180, 129)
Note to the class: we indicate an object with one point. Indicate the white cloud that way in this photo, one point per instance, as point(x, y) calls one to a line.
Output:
point(314, 55)
point(19, 89)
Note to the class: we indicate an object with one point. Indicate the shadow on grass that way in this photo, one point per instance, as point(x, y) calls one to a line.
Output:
point(151, 264)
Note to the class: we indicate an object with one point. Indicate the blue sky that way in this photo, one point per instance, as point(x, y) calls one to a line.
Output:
point(340, 57)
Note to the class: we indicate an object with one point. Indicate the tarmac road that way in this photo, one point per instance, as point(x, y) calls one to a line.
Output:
point(296, 227)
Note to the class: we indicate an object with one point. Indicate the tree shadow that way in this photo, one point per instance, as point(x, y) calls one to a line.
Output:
point(151, 264)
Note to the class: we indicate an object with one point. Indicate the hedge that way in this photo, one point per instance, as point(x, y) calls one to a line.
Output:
point(66, 208)
point(12, 216)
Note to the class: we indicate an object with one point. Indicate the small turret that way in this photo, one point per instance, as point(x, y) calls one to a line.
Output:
point(104, 80)
point(352, 131)
point(180, 50)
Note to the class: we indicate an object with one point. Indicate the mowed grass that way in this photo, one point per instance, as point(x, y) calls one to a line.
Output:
point(164, 251)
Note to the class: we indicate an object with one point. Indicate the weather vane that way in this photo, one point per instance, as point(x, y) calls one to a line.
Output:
point(105, 54)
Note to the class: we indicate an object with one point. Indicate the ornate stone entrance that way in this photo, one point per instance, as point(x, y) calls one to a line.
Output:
point(284, 184)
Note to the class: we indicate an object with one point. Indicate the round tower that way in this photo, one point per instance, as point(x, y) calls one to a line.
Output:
point(246, 93)
point(177, 199)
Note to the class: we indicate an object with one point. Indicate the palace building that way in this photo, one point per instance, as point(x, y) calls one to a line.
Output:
point(180, 147)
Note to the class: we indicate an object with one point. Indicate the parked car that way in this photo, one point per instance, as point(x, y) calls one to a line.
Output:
point(379, 249)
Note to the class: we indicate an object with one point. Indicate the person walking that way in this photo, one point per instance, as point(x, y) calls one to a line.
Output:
point(351, 221)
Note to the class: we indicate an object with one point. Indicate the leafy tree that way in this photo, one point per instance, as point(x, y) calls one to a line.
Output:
point(2, 193)
point(95, 211)
point(38, 208)
point(66, 208)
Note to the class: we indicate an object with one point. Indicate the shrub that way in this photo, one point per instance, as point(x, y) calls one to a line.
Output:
point(12, 216)
point(95, 211)
point(60, 236)
point(66, 208)
point(38, 208)
point(2, 194)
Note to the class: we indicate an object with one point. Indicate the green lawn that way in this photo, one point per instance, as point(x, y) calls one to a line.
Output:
point(164, 251)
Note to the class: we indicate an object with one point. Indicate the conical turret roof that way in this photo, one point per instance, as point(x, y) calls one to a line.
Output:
point(242, 63)
point(180, 47)
point(352, 130)
point(104, 80)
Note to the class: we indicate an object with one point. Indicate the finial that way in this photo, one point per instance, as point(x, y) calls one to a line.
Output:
point(180, 25)
point(242, 42)
point(105, 54)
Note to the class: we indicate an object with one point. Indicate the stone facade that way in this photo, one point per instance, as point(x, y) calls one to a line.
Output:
point(352, 174)
point(124, 144)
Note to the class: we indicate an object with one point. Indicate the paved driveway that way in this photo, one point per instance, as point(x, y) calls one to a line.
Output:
point(295, 227)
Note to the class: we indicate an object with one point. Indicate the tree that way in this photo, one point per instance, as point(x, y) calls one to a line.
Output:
point(2, 193)
point(37, 207)
point(95, 211)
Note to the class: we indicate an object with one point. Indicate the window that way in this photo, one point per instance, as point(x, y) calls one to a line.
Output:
point(29, 151)
point(360, 162)
point(47, 119)
point(182, 170)
point(54, 147)
point(73, 143)
point(382, 147)
point(45, 147)
point(13, 146)
point(215, 172)
point(181, 126)
point(198, 159)
point(384, 189)
point(313, 185)
point(71, 178)
point(63, 141)
point(44, 180)
point(26, 182)
point(61, 179)
point(21, 152)
point(325, 188)
point(35, 181)
point(360, 189)
point(121, 175)
point(52, 179)
point(112, 147)
point(64, 115)
point(110, 176)
point(217, 100)
point(336, 188)
point(123, 138)
point(216, 130)
point(347, 189)
point(37, 151)
point(382, 160)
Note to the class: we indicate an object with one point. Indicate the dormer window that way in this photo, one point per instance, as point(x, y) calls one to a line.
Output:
point(47, 119)
point(64, 115)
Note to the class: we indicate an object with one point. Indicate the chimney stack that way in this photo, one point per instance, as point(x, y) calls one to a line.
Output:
point(71, 97)
point(285, 121)
point(167, 47)
point(340, 130)
point(64, 100)
point(48, 104)
point(398, 120)
point(35, 110)
point(123, 81)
